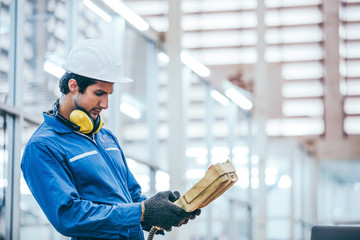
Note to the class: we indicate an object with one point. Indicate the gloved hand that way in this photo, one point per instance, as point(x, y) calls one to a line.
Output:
point(193, 215)
point(161, 212)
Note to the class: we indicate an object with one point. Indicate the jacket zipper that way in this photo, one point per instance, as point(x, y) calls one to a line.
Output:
point(86, 136)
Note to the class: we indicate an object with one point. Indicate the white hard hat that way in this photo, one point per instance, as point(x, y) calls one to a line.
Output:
point(95, 58)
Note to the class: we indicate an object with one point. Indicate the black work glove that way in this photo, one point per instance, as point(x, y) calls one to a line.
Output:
point(193, 215)
point(161, 212)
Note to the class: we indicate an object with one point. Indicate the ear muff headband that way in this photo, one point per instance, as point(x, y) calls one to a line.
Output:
point(86, 123)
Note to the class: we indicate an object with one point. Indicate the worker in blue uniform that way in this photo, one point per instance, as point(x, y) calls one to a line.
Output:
point(76, 169)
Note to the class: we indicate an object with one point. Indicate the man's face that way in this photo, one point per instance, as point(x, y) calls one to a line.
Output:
point(95, 98)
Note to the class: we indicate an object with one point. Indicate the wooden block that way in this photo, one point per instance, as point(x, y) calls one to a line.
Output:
point(216, 181)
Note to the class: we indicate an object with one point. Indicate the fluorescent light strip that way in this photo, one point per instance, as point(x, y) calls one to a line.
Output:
point(98, 11)
point(130, 110)
point(285, 182)
point(53, 69)
point(239, 99)
point(128, 15)
point(163, 57)
point(195, 65)
point(196, 152)
point(220, 151)
point(220, 98)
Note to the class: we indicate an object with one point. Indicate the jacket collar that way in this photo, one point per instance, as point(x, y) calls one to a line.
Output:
point(56, 124)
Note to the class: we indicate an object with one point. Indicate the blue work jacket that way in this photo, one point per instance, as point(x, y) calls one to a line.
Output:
point(83, 185)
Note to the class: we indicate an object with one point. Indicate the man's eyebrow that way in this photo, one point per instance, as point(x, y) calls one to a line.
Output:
point(102, 91)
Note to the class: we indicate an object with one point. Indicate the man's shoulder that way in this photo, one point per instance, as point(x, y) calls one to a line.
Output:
point(105, 131)
point(106, 135)
point(43, 133)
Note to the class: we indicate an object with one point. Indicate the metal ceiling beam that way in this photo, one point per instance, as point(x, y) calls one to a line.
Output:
point(335, 149)
point(220, 47)
point(349, 40)
point(303, 80)
point(351, 78)
point(311, 5)
point(200, 12)
point(303, 117)
point(294, 25)
point(295, 43)
point(285, 44)
point(350, 4)
point(218, 29)
point(253, 45)
point(346, 149)
point(352, 115)
point(303, 98)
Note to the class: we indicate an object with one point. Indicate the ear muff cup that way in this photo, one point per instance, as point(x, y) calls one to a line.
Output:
point(86, 123)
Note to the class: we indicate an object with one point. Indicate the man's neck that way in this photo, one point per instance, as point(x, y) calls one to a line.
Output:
point(65, 106)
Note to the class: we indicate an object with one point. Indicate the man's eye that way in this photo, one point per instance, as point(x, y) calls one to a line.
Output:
point(98, 94)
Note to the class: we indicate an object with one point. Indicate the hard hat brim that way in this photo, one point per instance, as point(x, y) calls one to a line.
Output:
point(121, 79)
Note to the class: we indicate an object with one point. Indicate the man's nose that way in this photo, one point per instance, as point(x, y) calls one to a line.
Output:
point(104, 103)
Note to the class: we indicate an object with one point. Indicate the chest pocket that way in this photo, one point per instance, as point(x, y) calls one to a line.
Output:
point(92, 174)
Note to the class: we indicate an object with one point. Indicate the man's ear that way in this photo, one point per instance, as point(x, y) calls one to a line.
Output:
point(73, 86)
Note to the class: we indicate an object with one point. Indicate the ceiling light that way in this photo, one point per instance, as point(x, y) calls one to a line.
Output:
point(194, 173)
point(240, 151)
point(130, 110)
point(128, 15)
point(220, 151)
point(202, 161)
point(163, 57)
point(239, 99)
point(284, 182)
point(196, 152)
point(98, 11)
point(53, 69)
point(162, 181)
point(195, 65)
point(270, 180)
point(254, 159)
point(220, 98)
point(295, 126)
point(255, 182)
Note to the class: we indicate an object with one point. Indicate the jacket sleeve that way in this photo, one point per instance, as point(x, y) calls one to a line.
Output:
point(134, 188)
point(133, 185)
point(49, 180)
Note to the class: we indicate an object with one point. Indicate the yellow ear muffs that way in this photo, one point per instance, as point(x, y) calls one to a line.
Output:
point(85, 121)
point(99, 122)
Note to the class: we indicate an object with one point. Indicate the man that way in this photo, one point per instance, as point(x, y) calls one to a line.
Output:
point(76, 169)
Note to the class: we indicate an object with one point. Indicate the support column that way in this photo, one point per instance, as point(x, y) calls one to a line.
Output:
point(117, 39)
point(177, 129)
point(334, 145)
point(333, 100)
point(209, 121)
point(249, 121)
point(15, 125)
point(260, 92)
point(152, 110)
point(71, 24)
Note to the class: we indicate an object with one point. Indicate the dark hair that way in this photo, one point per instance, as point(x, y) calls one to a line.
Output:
point(82, 82)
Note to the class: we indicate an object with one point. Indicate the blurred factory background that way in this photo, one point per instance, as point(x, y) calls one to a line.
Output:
point(272, 85)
